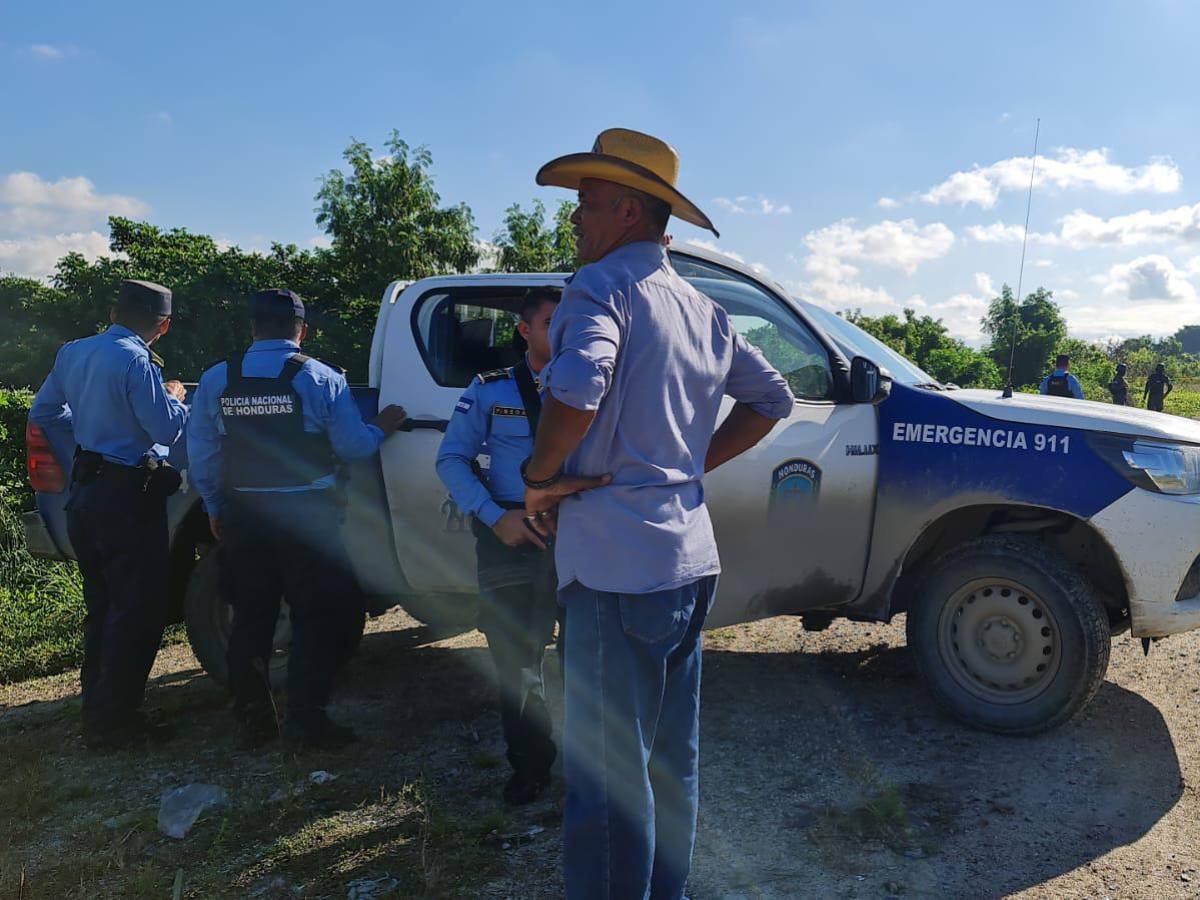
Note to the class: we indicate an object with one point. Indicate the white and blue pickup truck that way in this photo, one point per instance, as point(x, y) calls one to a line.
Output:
point(1018, 535)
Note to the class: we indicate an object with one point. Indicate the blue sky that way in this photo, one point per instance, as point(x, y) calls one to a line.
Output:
point(793, 121)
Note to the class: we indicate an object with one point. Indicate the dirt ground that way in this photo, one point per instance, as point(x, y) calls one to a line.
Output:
point(827, 771)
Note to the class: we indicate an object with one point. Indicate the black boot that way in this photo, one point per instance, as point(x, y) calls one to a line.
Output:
point(256, 725)
point(523, 789)
point(316, 731)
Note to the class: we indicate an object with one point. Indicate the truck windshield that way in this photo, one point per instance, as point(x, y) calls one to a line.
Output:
point(853, 341)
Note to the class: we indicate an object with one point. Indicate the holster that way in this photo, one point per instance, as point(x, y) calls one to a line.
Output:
point(162, 478)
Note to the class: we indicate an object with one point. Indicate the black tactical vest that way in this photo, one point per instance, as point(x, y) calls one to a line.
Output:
point(266, 445)
point(1059, 386)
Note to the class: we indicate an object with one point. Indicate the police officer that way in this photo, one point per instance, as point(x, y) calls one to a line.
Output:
point(1060, 382)
point(497, 415)
point(267, 430)
point(1158, 385)
point(108, 389)
point(1119, 387)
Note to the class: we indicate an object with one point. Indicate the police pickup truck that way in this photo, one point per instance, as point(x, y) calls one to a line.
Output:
point(1018, 535)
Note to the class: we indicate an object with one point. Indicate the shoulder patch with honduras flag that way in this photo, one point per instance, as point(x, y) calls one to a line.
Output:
point(464, 404)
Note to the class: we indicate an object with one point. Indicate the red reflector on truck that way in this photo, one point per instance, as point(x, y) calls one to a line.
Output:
point(45, 474)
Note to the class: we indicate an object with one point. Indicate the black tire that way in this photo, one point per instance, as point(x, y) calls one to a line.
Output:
point(208, 619)
point(1009, 636)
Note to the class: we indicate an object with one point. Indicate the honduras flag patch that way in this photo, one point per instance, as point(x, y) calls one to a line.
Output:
point(464, 404)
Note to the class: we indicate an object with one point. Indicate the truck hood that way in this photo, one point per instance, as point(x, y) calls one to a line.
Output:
point(1086, 415)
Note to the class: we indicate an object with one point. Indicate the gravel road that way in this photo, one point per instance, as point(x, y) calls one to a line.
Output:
point(827, 771)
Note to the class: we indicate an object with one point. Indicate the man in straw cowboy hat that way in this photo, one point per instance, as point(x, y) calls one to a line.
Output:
point(639, 363)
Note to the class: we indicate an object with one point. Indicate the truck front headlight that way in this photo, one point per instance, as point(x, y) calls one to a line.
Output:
point(1154, 465)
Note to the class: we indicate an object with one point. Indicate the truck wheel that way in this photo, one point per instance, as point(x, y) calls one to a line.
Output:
point(1009, 636)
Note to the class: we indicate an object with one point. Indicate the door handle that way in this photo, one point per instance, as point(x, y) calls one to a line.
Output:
point(432, 424)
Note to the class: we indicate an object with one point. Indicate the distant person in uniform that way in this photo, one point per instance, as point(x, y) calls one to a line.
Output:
point(1119, 387)
point(267, 429)
point(1060, 382)
point(109, 390)
point(1158, 385)
point(640, 363)
point(497, 416)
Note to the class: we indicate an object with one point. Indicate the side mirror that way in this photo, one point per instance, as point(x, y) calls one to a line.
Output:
point(868, 383)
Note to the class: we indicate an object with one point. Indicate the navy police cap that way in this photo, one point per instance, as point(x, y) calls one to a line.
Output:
point(277, 303)
point(144, 296)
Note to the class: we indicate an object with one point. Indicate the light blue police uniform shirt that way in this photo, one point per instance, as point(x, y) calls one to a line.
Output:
point(328, 407)
point(1073, 384)
point(106, 389)
point(486, 420)
point(653, 357)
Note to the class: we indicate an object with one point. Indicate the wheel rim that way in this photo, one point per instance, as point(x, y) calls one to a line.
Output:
point(999, 641)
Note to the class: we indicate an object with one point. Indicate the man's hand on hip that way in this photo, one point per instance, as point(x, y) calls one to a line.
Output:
point(175, 389)
point(510, 529)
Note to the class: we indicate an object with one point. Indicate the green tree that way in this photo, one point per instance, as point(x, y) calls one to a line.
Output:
point(386, 222)
point(209, 285)
point(528, 244)
point(925, 341)
point(1189, 338)
point(1040, 328)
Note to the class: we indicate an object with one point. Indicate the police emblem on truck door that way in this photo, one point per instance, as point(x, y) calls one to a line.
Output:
point(795, 485)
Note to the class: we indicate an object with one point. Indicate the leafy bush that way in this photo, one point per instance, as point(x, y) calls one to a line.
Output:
point(41, 602)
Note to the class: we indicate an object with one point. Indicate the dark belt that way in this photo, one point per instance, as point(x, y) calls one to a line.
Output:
point(151, 476)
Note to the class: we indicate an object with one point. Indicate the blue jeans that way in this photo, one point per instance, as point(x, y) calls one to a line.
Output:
point(631, 739)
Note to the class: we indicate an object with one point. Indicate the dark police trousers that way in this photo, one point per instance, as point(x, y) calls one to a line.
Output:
point(286, 546)
point(518, 608)
point(119, 532)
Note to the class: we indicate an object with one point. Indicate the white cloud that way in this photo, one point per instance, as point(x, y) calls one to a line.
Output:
point(712, 247)
point(1067, 169)
point(35, 256)
point(323, 241)
point(1193, 266)
point(1043, 263)
point(28, 202)
point(758, 205)
point(961, 312)
point(887, 203)
point(1151, 278)
point(903, 245)
point(1081, 229)
point(47, 52)
point(42, 220)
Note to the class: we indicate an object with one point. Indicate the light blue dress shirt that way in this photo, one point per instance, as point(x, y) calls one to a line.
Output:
point(1073, 384)
point(106, 389)
point(653, 357)
point(485, 421)
point(328, 407)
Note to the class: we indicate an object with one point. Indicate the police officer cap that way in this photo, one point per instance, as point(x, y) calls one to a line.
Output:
point(144, 296)
point(276, 303)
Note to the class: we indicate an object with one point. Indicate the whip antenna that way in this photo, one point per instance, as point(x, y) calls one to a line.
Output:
point(1012, 351)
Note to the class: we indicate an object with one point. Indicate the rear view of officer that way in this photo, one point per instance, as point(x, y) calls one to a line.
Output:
point(267, 429)
point(1061, 383)
point(497, 415)
point(1158, 385)
point(1119, 387)
point(109, 390)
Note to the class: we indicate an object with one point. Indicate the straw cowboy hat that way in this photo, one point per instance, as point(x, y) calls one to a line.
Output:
point(634, 160)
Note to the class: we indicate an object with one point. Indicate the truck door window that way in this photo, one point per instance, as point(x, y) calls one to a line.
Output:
point(762, 320)
point(461, 335)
